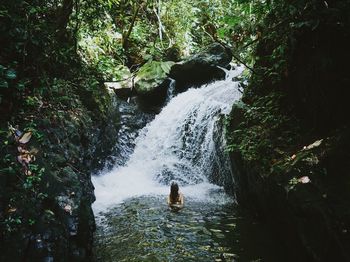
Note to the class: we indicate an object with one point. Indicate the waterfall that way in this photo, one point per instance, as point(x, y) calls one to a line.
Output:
point(177, 145)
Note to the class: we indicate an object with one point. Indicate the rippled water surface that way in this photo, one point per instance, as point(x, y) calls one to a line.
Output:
point(144, 229)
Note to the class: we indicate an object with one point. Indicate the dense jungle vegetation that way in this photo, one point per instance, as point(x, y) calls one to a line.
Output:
point(56, 55)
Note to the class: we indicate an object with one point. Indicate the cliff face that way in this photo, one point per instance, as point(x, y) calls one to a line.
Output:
point(289, 137)
point(46, 210)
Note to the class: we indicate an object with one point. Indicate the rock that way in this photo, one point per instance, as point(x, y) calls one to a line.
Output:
point(151, 76)
point(58, 222)
point(222, 170)
point(173, 53)
point(121, 84)
point(152, 82)
point(201, 68)
point(294, 197)
point(122, 89)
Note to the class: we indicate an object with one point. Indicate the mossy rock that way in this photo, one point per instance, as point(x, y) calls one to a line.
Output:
point(151, 76)
point(201, 68)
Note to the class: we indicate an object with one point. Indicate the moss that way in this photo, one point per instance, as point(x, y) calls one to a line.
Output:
point(151, 76)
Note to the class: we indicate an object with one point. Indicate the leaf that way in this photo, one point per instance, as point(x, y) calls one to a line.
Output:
point(18, 133)
point(3, 83)
point(20, 159)
point(11, 210)
point(49, 212)
point(304, 180)
point(25, 138)
point(28, 172)
point(317, 143)
point(22, 150)
point(20, 86)
point(2, 69)
point(10, 74)
point(166, 66)
point(34, 151)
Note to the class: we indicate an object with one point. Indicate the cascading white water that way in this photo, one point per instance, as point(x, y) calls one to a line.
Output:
point(176, 145)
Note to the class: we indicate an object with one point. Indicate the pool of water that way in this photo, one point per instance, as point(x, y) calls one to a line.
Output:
point(145, 229)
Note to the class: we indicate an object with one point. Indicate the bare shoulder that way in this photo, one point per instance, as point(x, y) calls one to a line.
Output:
point(181, 198)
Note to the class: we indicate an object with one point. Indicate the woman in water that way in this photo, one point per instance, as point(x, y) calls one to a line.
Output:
point(175, 199)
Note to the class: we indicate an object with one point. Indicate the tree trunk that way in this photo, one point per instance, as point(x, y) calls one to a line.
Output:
point(126, 35)
point(63, 17)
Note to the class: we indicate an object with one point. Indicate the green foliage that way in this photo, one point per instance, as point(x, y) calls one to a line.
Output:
point(133, 32)
point(19, 190)
point(36, 40)
point(151, 75)
point(266, 132)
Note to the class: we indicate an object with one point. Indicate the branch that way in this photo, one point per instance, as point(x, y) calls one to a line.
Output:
point(251, 42)
point(237, 57)
point(240, 60)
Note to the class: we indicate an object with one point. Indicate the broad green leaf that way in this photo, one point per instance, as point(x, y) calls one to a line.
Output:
point(2, 69)
point(20, 86)
point(166, 66)
point(3, 83)
point(10, 74)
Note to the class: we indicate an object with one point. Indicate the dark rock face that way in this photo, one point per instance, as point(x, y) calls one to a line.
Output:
point(74, 143)
point(319, 77)
point(155, 99)
point(301, 189)
point(201, 68)
point(309, 216)
point(221, 173)
point(131, 119)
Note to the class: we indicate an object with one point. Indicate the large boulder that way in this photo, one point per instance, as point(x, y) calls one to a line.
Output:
point(201, 68)
point(151, 82)
point(122, 82)
point(151, 76)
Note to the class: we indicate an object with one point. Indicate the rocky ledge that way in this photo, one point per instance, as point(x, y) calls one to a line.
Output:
point(45, 183)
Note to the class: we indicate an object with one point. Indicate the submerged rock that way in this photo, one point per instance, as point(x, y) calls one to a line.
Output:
point(201, 68)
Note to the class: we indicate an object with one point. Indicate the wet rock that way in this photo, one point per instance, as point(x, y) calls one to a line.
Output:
point(122, 89)
point(151, 82)
point(151, 76)
point(221, 167)
point(154, 100)
point(201, 68)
